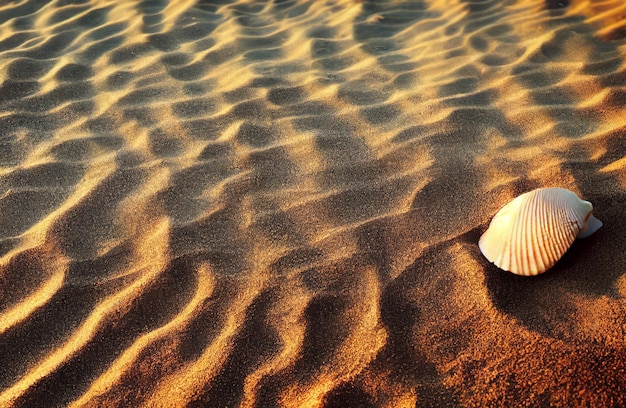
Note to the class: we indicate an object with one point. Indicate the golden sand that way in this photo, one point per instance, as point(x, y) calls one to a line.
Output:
point(278, 203)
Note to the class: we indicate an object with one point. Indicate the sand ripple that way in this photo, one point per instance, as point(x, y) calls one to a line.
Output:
point(277, 203)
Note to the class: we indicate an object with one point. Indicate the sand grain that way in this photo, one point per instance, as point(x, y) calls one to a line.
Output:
point(245, 203)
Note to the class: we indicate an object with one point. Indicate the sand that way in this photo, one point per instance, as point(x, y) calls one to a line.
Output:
point(278, 203)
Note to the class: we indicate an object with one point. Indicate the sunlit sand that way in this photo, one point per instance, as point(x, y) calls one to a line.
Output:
point(261, 204)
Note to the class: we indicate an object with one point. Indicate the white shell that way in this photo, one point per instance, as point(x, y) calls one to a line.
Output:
point(529, 234)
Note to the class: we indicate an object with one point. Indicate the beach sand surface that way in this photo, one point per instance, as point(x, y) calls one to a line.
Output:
point(278, 203)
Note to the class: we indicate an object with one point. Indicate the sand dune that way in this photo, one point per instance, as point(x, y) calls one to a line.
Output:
point(278, 203)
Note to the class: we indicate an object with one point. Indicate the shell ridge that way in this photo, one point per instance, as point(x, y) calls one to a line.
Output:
point(578, 213)
point(528, 264)
point(539, 236)
point(553, 232)
point(557, 232)
point(521, 235)
point(531, 261)
point(543, 225)
point(546, 250)
point(562, 227)
point(566, 228)
point(518, 246)
point(584, 210)
point(573, 217)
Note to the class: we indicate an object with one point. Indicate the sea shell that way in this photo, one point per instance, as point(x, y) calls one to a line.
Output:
point(529, 234)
